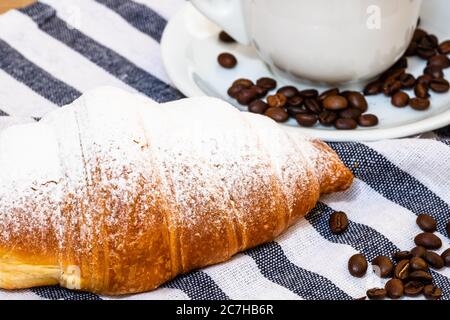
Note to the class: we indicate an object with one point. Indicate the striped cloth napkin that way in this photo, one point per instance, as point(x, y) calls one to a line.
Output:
point(52, 51)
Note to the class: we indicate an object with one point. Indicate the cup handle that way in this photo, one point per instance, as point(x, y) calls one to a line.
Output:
point(228, 14)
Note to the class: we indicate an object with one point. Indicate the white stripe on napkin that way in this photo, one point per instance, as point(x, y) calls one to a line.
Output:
point(19, 100)
point(159, 294)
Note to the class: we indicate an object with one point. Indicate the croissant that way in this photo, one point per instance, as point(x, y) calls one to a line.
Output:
point(116, 194)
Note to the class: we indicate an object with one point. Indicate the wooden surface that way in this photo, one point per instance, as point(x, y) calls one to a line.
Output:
point(5, 5)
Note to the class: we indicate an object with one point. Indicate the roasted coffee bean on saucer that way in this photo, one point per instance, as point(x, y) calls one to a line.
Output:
point(307, 120)
point(258, 106)
point(277, 114)
point(288, 91)
point(335, 103)
point(278, 100)
point(227, 60)
point(345, 124)
point(419, 104)
point(266, 83)
point(368, 120)
point(225, 37)
point(400, 99)
point(439, 85)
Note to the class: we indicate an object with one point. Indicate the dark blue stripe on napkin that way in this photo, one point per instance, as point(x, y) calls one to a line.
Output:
point(275, 266)
point(36, 78)
point(58, 293)
point(392, 182)
point(3, 113)
point(198, 286)
point(102, 56)
point(139, 16)
point(365, 240)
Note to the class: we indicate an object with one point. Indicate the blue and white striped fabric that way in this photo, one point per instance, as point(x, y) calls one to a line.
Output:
point(52, 51)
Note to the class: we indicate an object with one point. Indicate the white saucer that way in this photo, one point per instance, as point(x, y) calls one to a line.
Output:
point(190, 48)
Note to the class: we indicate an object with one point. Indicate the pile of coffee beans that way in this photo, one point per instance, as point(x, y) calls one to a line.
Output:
point(343, 110)
point(395, 81)
point(408, 271)
point(346, 110)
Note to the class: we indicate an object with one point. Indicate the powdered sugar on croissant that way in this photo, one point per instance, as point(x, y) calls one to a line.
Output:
point(116, 194)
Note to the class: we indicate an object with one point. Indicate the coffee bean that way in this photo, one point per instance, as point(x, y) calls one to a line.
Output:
point(293, 111)
point(419, 34)
point(444, 47)
point(345, 124)
point(277, 114)
point(227, 60)
point(394, 288)
point(440, 61)
point(310, 93)
point(446, 257)
point(435, 72)
point(401, 270)
point(234, 90)
point(328, 93)
point(413, 288)
point(288, 91)
point(392, 75)
point(428, 240)
point(408, 81)
point(296, 101)
point(418, 251)
point(412, 49)
point(439, 85)
point(421, 276)
point(447, 228)
point(401, 255)
point(376, 293)
point(431, 41)
point(368, 120)
point(246, 96)
point(434, 260)
point(400, 99)
point(421, 91)
point(417, 263)
point(260, 92)
point(335, 103)
point(277, 101)
point(432, 292)
point(402, 63)
point(266, 83)
point(391, 87)
point(327, 118)
point(313, 105)
point(306, 120)
point(373, 88)
point(246, 83)
point(258, 106)
point(357, 265)
point(225, 37)
point(383, 266)
point(426, 222)
point(350, 113)
point(424, 52)
point(338, 222)
point(424, 79)
point(357, 100)
point(419, 104)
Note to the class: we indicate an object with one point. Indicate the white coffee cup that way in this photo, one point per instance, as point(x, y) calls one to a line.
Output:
point(325, 41)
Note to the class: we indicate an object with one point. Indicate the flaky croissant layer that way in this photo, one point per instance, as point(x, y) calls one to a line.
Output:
point(116, 194)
